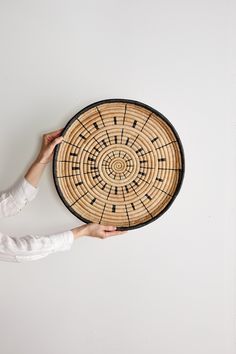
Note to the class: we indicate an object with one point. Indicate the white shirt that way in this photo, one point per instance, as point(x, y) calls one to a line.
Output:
point(29, 247)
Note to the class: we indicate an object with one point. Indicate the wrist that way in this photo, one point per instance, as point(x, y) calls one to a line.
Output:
point(39, 160)
point(79, 231)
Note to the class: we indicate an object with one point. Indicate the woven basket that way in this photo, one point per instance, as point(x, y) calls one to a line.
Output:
point(120, 163)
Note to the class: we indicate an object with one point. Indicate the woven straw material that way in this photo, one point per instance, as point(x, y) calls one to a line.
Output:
point(120, 163)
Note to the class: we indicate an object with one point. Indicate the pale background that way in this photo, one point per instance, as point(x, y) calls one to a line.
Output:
point(166, 288)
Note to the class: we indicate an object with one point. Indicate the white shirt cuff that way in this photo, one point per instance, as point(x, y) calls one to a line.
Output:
point(36, 247)
point(29, 190)
point(62, 241)
point(23, 192)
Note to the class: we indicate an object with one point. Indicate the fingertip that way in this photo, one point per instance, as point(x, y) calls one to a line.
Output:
point(59, 139)
point(111, 228)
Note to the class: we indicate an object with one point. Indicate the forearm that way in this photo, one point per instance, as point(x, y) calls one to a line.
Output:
point(35, 172)
point(45, 155)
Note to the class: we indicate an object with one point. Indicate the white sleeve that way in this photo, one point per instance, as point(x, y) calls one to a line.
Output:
point(30, 248)
point(16, 197)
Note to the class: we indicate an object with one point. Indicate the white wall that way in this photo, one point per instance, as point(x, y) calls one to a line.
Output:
point(166, 288)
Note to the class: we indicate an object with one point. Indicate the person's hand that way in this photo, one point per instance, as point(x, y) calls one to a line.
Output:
point(96, 230)
point(49, 141)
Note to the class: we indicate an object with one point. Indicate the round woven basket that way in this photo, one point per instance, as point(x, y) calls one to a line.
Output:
point(120, 163)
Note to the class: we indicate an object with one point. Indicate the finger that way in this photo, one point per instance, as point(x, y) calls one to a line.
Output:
point(54, 133)
point(114, 233)
point(109, 228)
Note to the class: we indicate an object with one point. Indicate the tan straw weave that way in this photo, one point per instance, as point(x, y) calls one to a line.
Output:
point(121, 163)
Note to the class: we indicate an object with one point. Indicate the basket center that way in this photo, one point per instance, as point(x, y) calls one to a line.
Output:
point(118, 165)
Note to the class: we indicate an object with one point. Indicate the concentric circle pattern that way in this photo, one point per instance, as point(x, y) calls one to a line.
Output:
point(120, 163)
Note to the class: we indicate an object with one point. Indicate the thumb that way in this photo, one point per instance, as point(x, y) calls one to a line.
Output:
point(56, 141)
